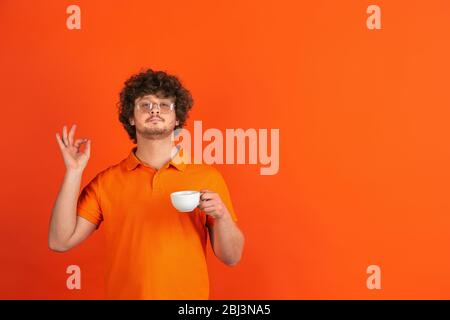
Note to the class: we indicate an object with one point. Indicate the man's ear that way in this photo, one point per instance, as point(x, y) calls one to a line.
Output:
point(131, 121)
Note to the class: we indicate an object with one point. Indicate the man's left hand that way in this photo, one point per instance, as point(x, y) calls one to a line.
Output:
point(211, 204)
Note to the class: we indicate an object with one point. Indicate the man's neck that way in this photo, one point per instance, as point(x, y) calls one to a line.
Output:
point(155, 153)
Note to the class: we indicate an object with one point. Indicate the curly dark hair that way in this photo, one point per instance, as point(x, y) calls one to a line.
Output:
point(153, 82)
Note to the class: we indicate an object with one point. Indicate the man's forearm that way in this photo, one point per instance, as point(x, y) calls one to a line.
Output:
point(228, 240)
point(63, 220)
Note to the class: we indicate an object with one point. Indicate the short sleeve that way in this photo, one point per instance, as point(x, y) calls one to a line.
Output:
point(88, 205)
point(219, 186)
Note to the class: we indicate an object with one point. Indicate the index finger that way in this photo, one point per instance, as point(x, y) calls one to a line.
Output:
point(208, 195)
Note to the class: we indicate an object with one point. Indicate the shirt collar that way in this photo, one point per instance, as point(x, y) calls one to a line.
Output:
point(131, 162)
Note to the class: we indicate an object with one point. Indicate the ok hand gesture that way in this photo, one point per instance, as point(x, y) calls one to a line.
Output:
point(74, 159)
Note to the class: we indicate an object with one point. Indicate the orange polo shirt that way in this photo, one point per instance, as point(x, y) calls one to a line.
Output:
point(152, 250)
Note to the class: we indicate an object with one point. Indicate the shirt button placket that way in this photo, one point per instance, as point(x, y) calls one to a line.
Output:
point(155, 189)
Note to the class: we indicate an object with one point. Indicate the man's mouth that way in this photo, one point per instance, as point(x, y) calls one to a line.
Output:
point(154, 119)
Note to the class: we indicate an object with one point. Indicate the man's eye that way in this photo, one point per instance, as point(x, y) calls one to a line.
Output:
point(145, 105)
point(164, 105)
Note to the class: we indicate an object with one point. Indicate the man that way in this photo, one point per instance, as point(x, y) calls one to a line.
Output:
point(152, 250)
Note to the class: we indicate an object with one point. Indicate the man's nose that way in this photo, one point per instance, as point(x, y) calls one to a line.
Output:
point(155, 111)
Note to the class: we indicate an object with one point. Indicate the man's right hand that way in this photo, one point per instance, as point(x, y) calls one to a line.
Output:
point(70, 150)
point(66, 229)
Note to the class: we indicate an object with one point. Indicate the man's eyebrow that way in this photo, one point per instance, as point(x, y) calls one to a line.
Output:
point(161, 98)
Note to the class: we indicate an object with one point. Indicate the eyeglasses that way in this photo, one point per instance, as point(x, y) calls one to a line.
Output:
point(163, 107)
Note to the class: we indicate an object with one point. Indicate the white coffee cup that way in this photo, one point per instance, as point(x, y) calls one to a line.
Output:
point(185, 201)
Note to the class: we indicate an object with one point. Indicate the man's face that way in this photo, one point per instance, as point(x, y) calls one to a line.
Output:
point(155, 123)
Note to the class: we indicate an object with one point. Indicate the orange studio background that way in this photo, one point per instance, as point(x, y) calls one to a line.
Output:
point(364, 136)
